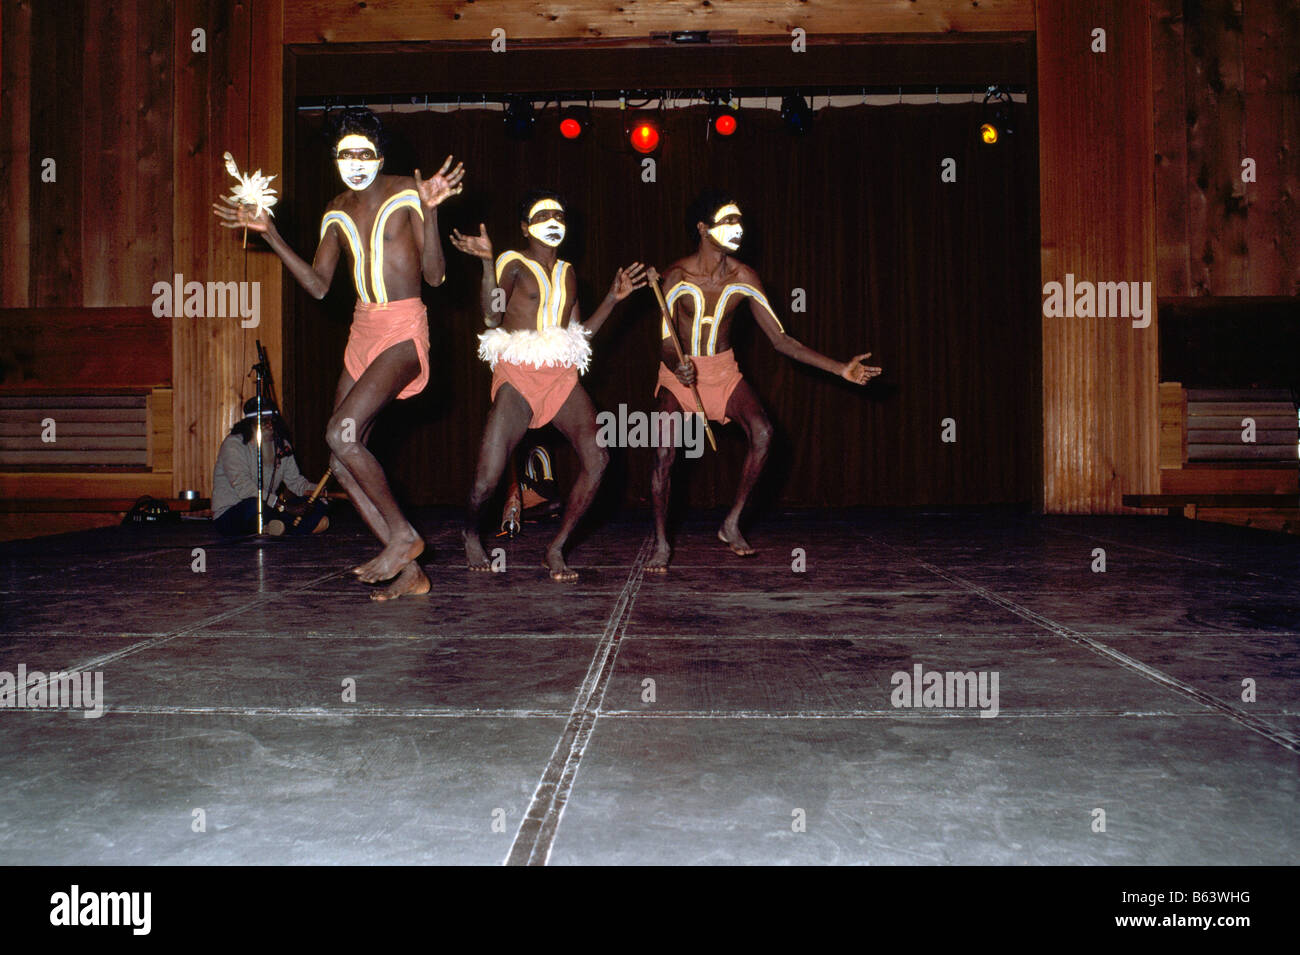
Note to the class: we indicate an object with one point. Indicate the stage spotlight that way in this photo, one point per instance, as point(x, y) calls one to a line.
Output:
point(798, 115)
point(724, 119)
point(997, 121)
point(519, 118)
point(574, 121)
point(644, 135)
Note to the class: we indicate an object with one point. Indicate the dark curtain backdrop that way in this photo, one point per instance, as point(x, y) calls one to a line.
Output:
point(938, 280)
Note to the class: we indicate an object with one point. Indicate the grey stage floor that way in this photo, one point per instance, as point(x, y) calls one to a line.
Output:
point(508, 718)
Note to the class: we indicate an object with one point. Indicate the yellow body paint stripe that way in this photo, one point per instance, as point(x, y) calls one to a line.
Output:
point(551, 290)
point(697, 296)
point(559, 291)
point(700, 319)
point(350, 232)
point(407, 198)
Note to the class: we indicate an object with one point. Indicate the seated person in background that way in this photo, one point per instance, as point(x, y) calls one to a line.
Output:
point(234, 482)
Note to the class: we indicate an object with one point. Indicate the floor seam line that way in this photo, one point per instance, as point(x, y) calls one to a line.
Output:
point(105, 659)
point(537, 830)
point(1249, 721)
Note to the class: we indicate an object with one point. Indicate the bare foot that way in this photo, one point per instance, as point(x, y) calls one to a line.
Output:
point(658, 563)
point(559, 570)
point(475, 559)
point(399, 552)
point(411, 582)
point(730, 535)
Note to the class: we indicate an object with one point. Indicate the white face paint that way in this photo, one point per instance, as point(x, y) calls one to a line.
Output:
point(356, 171)
point(727, 235)
point(550, 230)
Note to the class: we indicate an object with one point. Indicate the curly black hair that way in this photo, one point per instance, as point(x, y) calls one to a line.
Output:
point(358, 120)
point(534, 196)
point(702, 208)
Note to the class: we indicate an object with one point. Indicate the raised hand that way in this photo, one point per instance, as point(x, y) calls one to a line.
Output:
point(477, 245)
point(685, 372)
point(627, 281)
point(241, 217)
point(441, 185)
point(858, 372)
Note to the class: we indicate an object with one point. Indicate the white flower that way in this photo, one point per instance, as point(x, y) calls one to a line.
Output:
point(254, 190)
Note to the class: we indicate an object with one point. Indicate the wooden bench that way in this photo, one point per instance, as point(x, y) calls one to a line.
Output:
point(105, 429)
point(1209, 472)
point(98, 382)
point(1236, 424)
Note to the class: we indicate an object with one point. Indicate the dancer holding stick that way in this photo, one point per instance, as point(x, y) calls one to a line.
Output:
point(704, 290)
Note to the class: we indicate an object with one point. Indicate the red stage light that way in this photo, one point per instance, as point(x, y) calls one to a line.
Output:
point(570, 128)
point(645, 137)
point(725, 124)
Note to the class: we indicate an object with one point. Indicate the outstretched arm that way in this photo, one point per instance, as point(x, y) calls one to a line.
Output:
point(480, 246)
point(626, 281)
point(317, 276)
point(435, 190)
point(853, 370)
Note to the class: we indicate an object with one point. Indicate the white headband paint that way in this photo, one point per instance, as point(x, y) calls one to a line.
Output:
point(355, 141)
point(544, 205)
point(729, 209)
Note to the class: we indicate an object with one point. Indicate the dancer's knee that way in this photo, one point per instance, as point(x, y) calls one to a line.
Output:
point(341, 436)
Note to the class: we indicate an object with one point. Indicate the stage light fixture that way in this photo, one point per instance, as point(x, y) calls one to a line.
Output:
point(519, 118)
point(797, 114)
point(724, 119)
point(997, 121)
point(574, 122)
point(644, 135)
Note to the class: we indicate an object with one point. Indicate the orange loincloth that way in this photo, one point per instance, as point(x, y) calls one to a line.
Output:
point(545, 388)
point(376, 327)
point(716, 377)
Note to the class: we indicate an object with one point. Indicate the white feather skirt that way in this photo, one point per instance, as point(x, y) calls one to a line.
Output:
point(569, 347)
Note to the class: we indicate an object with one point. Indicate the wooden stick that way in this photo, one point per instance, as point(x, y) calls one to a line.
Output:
point(314, 494)
point(681, 356)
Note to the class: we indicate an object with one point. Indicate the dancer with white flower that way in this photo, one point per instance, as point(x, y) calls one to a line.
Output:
point(388, 225)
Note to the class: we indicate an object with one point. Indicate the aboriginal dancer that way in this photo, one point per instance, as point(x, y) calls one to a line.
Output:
point(537, 344)
point(388, 227)
point(703, 292)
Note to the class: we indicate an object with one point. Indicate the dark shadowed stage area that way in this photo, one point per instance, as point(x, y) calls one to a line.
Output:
point(508, 718)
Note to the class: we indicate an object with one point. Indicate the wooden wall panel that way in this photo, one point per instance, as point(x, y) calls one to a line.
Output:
point(229, 98)
point(346, 21)
point(266, 150)
point(1096, 168)
point(1225, 78)
point(56, 133)
point(15, 136)
point(210, 355)
point(126, 244)
point(87, 84)
point(1215, 103)
point(1170, 98)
